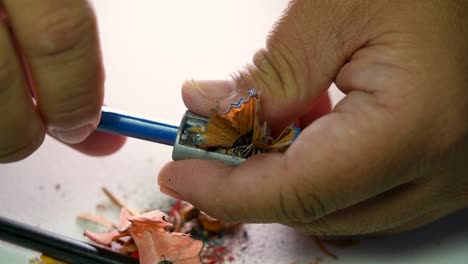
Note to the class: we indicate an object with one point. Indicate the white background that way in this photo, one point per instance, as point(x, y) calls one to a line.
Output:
point(149, 48)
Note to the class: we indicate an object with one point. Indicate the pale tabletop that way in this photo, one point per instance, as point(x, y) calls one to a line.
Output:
point(149, 48)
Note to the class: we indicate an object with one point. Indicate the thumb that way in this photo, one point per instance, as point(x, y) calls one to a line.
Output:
point(298, 64)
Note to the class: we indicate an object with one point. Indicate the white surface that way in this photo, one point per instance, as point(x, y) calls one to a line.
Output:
point(149, 48)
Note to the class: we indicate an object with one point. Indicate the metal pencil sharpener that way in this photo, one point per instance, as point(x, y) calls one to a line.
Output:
point(185, 148)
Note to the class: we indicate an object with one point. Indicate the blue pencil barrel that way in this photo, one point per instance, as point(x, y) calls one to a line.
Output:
point(136, 127)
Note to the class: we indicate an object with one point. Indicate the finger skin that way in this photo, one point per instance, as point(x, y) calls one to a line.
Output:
point(236, 196)
point(100, 144)
point(322, 108)
point(21, 128)
point(60, 42)
point(440, 192)
point(387, 211)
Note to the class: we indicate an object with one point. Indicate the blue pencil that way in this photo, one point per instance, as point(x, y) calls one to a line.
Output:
point(116, 122)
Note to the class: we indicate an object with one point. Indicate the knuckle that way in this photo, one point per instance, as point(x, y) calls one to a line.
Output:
point(319, 227)
point(61, 30)
point(72, 109)
point(332, 227)
point(324, 227)
point(278, 68)
point(297, 204)
point(327, 226)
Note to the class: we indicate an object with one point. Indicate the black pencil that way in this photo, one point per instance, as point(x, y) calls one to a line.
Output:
point(57, 246)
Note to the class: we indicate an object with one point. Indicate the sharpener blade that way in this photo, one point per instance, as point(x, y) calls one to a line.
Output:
point(184, 147)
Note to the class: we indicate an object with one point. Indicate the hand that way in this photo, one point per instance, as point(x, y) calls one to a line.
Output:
point(50, 49)
point(389, 157)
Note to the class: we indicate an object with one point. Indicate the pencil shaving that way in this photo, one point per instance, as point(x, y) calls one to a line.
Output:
point(97, 219)
point(116, 201)
point(147, 234)
point(239, 131)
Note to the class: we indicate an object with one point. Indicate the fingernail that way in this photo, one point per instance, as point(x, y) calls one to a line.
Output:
point(170, 192)
point(212, 89)
point(72, 136)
